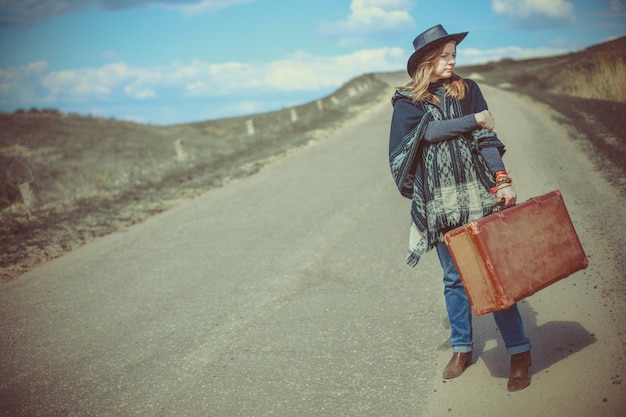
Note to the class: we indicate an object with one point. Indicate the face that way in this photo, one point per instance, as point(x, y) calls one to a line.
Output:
point(444, 65)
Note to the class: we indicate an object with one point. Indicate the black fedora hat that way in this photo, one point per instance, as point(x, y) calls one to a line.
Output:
point(429, 39)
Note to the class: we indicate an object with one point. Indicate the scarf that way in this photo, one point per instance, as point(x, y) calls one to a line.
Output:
point(448, 182)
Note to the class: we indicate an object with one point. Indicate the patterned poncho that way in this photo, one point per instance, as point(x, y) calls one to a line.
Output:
point(448, 182)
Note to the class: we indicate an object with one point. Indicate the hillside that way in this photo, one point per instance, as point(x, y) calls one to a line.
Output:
point(67, 179)
point(587, 88)
point(598, 72)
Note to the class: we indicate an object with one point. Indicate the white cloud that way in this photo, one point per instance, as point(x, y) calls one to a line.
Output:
point(87, 82)
point(534, 14)
point(370, 18)
point(299, 72)
point(469, 56)
point(139, 92)
point(529, 8)
point(23, 84)
point(303, 71)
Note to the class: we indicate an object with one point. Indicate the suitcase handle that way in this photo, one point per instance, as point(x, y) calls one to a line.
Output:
point(501, 215)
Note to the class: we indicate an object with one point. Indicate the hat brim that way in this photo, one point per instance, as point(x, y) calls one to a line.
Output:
point(414, 59)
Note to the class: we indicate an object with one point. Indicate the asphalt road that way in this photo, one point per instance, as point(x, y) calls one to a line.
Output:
point(286, 294)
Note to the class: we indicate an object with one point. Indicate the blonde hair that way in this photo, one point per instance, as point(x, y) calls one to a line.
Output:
point(418, 86)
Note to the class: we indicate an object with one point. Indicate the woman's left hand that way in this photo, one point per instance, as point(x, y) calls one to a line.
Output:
point(506, 197)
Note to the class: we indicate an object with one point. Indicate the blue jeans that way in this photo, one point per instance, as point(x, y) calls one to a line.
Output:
point(509, 321)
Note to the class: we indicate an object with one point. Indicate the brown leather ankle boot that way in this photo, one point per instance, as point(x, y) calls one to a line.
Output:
point(458, 363)
point(519, 377)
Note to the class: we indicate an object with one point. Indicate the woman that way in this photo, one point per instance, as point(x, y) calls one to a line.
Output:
point(445, 157)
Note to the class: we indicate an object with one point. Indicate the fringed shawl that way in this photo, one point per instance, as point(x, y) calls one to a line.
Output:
point(448, 182)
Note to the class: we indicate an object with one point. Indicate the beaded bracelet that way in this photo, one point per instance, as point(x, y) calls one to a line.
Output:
point(502, 180)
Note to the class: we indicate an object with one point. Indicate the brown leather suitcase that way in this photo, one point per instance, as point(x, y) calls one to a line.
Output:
point(509, 255)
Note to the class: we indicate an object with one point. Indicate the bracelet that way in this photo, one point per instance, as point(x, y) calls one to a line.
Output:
point(500, 185)
point(495, 189)
point(502, 180)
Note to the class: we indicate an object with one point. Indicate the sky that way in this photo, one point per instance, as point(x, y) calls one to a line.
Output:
point(166, 62)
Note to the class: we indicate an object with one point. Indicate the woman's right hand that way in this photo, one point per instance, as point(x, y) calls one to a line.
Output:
point(485, 119)
point(506, 197)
